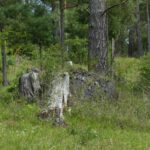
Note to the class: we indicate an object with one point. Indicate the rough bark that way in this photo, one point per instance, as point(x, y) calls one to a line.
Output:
point(62, 29)
point(97, 36)
point(4, 65)
point(139, 34)
point(148, 24)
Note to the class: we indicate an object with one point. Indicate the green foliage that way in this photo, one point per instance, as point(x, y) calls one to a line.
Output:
point(40, 30)
point(26, 24)
point(76, 33)
point(76, 50)
point(23, 49)
point(127, 70)
point(11, 61)
point(144, 81)
point(52, 58)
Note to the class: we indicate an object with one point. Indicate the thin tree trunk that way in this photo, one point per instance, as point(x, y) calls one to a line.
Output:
point(54, 21)
point(97, 54)
point(113, 51)
point(62, 29)
point(4, 64)
point(40, 54)
point(139, 34)
point(148, 25)
point(131, 47)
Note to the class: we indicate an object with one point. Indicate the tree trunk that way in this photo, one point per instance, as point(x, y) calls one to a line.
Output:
point(131, 47)
point(4, 65)
point(139, 35)
point(40, 54)
point(113, 51)
point(62, 29)
point(97, 54)
point(148, 25)
point(54, 22)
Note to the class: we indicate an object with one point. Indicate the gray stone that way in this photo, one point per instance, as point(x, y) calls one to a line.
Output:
point(89, 84)
point(29, 84)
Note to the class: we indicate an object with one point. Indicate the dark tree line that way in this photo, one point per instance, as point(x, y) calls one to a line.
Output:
point(88, 30)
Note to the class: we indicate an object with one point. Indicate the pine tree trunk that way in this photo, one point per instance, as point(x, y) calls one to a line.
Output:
point(148, 25)
point(62, 29)
point(139, 34)
point(4, 65)
point(97, 54)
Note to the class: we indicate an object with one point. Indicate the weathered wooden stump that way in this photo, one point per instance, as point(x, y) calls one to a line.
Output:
point(58, 97)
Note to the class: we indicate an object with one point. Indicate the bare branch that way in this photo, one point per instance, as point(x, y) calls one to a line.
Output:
point(68, 6)
point(106, 10)
point(71, 6)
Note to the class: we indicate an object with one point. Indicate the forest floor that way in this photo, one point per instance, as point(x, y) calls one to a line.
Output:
point(123, 124)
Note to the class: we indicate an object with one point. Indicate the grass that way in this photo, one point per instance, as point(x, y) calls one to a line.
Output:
point(127, 68)
point(123, 124)
point(21, 129)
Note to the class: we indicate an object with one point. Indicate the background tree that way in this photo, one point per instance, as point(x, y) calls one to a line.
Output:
point(97, 36)
point(138, 26)
point(148, 24)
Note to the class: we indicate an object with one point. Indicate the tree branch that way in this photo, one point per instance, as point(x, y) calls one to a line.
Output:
point(106, 10)
point(71, 6)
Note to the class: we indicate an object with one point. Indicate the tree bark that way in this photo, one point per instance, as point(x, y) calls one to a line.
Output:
point(97, 54)
point(148, 24)
point(62, 37)
point(139, 34)
point(4, 64)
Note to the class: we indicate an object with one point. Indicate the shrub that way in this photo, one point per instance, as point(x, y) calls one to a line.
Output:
point(77, 50)
point(25, 49)
point(144, 82)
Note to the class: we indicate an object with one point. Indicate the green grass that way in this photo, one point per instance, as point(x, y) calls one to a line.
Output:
point(127, 68)
point(21, 129)
point(123, 124)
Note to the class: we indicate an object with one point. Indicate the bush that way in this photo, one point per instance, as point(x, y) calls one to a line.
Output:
point(11, 61)
point(144, 82)
point(25, 49)
point(77, 50)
